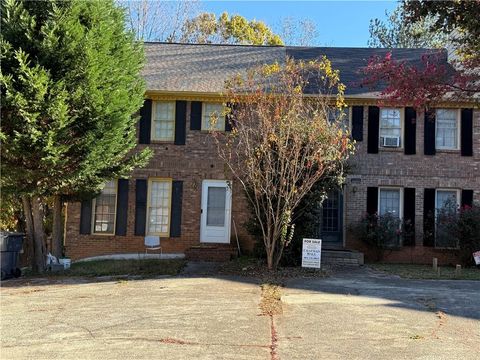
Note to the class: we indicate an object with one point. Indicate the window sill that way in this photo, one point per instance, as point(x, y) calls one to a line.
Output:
point(161, 142)
point(448, 151)
point(390, 149)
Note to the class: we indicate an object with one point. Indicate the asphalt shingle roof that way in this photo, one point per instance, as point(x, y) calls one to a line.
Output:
point(204, 68)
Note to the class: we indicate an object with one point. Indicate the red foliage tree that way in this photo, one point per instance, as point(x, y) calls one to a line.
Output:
point(422, 85)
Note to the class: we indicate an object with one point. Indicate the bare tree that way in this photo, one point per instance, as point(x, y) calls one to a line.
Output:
point(284, 141)
point(159, 20)
point(301, 32)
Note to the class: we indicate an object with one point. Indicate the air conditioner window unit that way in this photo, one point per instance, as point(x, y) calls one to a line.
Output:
point(391, 141)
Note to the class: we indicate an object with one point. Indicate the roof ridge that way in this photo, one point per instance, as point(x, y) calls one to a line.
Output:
point(212, 44)
point(294, 47)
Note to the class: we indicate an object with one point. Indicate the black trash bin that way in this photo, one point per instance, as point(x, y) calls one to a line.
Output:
point(10, 247)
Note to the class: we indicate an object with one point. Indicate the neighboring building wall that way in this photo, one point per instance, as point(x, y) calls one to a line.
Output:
point(193, 162)
point(391, 167)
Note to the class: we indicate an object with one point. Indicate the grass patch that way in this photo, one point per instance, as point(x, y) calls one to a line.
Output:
point(144, 268)
point(409, 271)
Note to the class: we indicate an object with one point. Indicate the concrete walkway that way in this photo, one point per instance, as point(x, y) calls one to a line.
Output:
point(356, 314)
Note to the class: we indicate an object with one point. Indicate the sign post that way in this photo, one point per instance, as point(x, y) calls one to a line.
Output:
point(312, 253)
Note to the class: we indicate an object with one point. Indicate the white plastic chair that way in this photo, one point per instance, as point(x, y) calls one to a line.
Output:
point(152, 242)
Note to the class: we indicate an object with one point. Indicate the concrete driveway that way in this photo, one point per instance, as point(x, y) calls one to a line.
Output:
point(356, 315)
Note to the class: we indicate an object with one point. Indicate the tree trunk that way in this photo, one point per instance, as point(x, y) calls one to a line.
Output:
point(57, 228)
point(29, 248)
point(39, 234)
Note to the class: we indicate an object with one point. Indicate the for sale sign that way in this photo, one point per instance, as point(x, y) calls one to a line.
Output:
point(311, 253)
point(476, 257)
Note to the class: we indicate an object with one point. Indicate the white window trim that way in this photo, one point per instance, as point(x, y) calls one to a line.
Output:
point(150, 180)
point(400, 203)
point(202, 128)
point(458, 191)
point(152, 125)
point(94, 205)
point(402, 128)
point(458, 116)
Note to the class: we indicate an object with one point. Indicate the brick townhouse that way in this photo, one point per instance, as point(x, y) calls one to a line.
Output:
point(406, 164)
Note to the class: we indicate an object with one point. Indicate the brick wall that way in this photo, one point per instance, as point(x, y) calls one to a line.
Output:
point(446, 169)
point(197, 161)
point(192, 163)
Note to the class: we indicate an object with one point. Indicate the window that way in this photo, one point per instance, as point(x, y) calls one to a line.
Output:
point(389, 202)
point(216, 206)
point(342, 115)
point(159, 199)
point(447, 200)
point(446, 129)
point(163, 127)
point(104, 210)
point(213, 117)
point(446, 204)
point(390, 127)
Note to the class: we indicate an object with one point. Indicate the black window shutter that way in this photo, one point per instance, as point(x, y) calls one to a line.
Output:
point(410, 131)
point(176, 206)
point(372, 200)
point(373, 129)
point(357, 123)
point(230, 117)
point(180, 122)
point(140, 206)
point(86, 217)
point(467, 198)
point(122, 208)
point(429, 217)
point(429, 131)
point(145, 122)
point(409, 216)
point(466, 132)
point(196, 115)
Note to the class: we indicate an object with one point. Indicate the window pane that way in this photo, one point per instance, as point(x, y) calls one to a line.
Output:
point(445, 208)
point(213, 117)
point(159, 207)
point(446, 199)
point(342, 116)
point(164, 121)
point(446, 128)
point(390, 123)
point(390, 202)
point(104, 210)
point(216, 206)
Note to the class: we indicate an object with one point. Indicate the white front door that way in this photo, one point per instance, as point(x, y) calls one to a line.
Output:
point(216, 211)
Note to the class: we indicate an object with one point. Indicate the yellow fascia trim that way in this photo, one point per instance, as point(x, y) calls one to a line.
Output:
point(349, 100)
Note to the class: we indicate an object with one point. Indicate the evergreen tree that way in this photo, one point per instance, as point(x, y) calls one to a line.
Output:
point(70, 86)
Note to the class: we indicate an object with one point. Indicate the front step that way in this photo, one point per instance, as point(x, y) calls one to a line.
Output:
point(342, 257)
point(211, 252)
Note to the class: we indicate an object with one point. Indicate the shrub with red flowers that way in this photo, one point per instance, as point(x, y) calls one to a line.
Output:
point(382, 232)
point(463, 228)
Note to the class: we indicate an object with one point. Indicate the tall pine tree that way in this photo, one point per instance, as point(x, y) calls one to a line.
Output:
point(70, 86)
